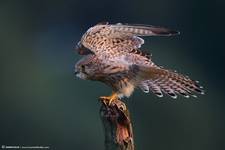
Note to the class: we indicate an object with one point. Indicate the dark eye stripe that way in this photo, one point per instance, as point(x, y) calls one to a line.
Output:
point(83, 69)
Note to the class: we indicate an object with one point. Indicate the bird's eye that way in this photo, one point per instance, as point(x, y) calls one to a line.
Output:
point(82, 67)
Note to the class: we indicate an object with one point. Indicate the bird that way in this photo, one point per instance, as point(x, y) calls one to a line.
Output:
point(112, 54)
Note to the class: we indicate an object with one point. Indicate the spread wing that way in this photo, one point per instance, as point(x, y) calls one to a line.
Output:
point(119, 38)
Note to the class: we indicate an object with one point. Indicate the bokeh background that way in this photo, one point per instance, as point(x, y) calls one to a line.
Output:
point(43, 104)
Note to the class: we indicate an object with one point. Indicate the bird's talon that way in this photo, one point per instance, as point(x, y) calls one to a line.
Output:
point(104, 99)
point(110, 101)
point(107, 100)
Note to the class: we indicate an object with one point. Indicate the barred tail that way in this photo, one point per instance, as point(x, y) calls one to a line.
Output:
point(161, 81)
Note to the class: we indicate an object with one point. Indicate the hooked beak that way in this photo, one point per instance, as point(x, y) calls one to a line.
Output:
point(75, 72)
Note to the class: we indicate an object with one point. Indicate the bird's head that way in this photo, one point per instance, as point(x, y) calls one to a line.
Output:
point(84, 68)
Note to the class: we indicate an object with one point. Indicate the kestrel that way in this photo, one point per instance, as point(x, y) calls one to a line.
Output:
point(113, 56)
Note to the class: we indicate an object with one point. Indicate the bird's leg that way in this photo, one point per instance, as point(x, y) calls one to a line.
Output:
point(108, 99)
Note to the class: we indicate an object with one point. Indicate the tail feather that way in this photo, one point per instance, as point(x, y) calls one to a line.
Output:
point(171, 83)
point(148, 85)
point(155, 89)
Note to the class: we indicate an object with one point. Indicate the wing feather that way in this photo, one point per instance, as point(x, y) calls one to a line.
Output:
point(107, 38)
point(143, 30)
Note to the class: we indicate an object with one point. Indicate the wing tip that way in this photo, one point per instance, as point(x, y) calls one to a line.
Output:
point(170, 33)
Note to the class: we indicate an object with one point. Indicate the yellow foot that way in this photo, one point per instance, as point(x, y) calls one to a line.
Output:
point(108, 99)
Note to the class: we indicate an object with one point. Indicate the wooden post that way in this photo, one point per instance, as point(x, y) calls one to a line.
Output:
point(117, 126)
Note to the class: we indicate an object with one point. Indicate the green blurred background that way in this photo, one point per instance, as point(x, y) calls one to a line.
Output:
point(42, 103)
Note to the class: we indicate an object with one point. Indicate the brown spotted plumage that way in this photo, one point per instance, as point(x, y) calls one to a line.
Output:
point(113, 56)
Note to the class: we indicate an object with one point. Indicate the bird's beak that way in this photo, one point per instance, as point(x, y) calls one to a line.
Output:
point(76, 72)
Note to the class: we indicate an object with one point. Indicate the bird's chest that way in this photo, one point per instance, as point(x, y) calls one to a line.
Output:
point(121, 83)
point(126, 90)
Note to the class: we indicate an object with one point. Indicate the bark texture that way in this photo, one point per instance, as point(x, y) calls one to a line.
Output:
point(117, 126)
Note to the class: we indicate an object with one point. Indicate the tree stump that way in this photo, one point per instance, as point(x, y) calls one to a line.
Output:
point(117, 126)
